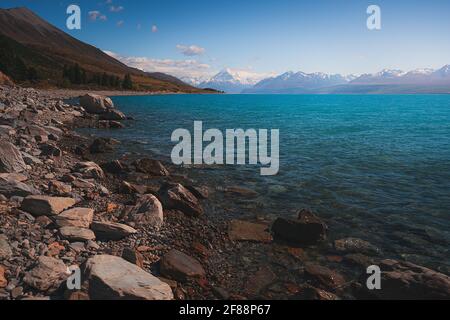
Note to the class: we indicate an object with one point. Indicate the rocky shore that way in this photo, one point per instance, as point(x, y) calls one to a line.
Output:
point(136, 228)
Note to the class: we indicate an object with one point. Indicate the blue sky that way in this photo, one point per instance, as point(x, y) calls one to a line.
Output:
point(199, 38)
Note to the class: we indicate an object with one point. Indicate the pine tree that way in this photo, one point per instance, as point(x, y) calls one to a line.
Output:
point(127, 83)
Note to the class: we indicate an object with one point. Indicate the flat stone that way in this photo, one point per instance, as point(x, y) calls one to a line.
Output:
point(113, 278)
point(11, 160)
point(12, 188)
point(106, 231)
point(181, 267)
point(48, 275)
point(76, 217)
point(75, 234)
point(45, 205)
point(247, 231)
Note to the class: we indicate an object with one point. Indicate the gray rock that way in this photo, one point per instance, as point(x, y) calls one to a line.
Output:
point(45, 205)
point(96, 104)
point(106, 231)
point(112, 114)
point(48, 275)
point(75, 234)
point(113, 278)
point(355, 245)
point(148, 210)
point(10, 158)
point(11, 188)
point(5, 248)
point(90, 170)
point(152, 167)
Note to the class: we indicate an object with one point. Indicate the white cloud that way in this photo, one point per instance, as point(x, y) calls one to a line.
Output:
point(191, 51)
point(116, 9)
point(94, 15)
point(178, 68)
point(120, 23)
point(154, 28)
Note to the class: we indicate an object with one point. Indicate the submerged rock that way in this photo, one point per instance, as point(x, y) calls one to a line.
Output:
point(152, 167)
point(247, 231)
point(355, 245)
point(324, 276)
point(308, 229)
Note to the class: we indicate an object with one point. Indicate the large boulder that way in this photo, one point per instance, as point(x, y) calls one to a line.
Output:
point(10, 158)
point(107, 231)
point(45, 205)
point(308, 229)
point(96, 104)
point(113, 278)
point(175, 196)
point(113, 115)
point(406, 281)
point(47, 275)
point(181, 267)
point(148, 211)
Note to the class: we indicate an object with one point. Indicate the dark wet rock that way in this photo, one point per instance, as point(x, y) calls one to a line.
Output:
point(11, 160)
point(113, 114)
point(5, 248)
point(47, 275)
point(76, 217)
point(175, 196)
point(147, 211)
point(50, 150)
point(103, 145)
point(96, 104)
point(325, 277)
point(133, 256)
point(247, 231)
point(359, 260)
point(11, 188)
point(311, 293)
point(74, 234)
point(308, 229)
point(179, 266)
point(89, 170)
point(355, 245)
point(152, 167)
point(45, 205)
point(407, 281)
point(199, 192)
point(116, 167)
point(107, 231)
point(114, 278)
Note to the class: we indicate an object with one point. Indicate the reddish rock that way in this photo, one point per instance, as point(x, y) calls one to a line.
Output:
point(76, 217)
point(178, 197)
point(311, 293)
point(259, 281)
point(241, 192)
point(107, 231)
point(11, 160)
point(3, 281)
point(181, 267)
point(45, 205)
point(48, 274)
point(133, 256)
point(247, 231)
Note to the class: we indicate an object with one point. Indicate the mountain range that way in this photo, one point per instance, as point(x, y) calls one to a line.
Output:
point(27, 39)
point(385, 81)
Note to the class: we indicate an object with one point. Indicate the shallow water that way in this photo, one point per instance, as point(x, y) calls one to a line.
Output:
point(374, 167)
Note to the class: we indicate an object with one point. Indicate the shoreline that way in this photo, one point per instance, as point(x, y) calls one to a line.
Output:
point(186, 243)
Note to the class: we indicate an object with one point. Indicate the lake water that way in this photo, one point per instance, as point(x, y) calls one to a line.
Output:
point(374, 167)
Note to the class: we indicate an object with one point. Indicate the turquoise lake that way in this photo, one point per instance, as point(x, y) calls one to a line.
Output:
point(374, 167)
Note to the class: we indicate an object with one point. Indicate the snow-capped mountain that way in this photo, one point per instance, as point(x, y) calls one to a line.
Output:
point(298, 82)
point(231, 81)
